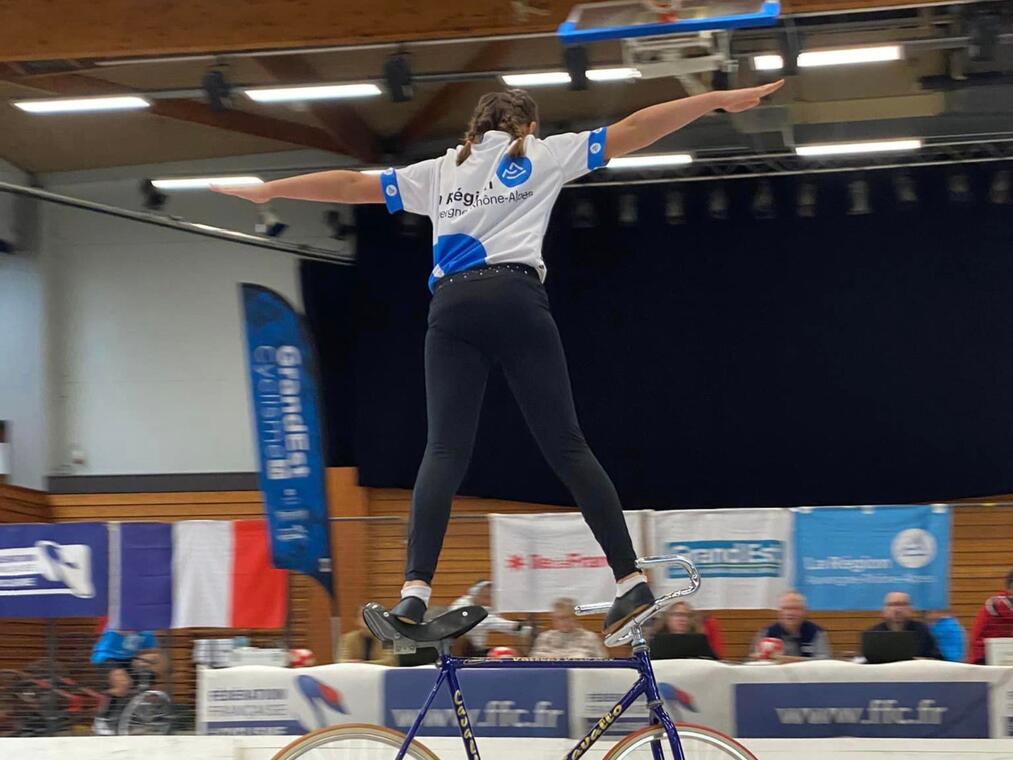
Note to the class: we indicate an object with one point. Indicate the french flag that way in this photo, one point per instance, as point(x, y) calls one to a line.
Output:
point(194, 574)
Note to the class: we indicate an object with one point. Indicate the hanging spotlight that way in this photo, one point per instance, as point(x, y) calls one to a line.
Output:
point(339, 230)
point(675, 207)
point(858, 190)
point(724, 78)
point(905, 190)
point(998, 193)
point(717, 204)
point(790, 43)
point(575, 60)
point(217, 89)
point(397, 72)
point(269, 223)
point(806, 200)
point(959, 188)
point(763, 201)
point(583, 214)
point(154, 199)
point(628, 211)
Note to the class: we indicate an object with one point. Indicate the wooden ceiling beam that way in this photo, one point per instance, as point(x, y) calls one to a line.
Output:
point(62, 29)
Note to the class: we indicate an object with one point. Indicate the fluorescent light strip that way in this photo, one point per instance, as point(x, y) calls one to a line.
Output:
point(656, 159)
point(535, 78)
point(618, 74)
point(82, 105)
point(845, 56)
point(840, 57)
point(768, 62)
point(201, 183)
point(540, 78)
point(843, 149)
point(312, 92)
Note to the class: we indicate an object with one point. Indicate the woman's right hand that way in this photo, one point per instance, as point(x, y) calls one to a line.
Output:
point(253, 193)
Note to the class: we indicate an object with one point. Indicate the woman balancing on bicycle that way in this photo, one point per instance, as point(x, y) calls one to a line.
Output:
point(489, 201)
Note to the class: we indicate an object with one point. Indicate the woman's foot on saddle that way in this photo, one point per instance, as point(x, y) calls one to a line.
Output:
point(628, 603)
point(413, 604)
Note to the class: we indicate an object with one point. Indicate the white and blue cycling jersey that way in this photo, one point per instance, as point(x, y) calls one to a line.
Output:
point(492, 209)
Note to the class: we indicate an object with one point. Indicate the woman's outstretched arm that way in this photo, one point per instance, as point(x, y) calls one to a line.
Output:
point(646, 126)
point(337, 186)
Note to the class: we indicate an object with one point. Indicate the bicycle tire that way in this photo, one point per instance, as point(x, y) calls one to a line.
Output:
point(350, 732)
point(689, 734)
point(150, 699)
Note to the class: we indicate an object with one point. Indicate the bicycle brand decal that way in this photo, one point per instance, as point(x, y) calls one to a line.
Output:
point(595, 733)
point(466, 732)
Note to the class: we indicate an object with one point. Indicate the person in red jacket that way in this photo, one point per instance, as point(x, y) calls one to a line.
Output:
point(994, 621)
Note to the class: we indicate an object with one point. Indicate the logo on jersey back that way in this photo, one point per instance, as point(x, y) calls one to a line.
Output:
point(514, 171)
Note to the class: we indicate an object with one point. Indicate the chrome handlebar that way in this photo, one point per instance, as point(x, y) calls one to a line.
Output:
point(632, 630)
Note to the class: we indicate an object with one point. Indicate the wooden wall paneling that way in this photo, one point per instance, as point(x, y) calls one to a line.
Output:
point(982, 553)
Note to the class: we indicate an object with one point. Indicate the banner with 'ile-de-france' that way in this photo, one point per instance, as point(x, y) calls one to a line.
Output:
point(286, 410)
point(537, 559)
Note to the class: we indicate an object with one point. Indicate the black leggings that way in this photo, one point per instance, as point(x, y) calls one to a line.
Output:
point(494, 316)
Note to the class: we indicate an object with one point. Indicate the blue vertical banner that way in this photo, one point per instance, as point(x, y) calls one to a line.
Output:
point(49, 571)
point(849, 558)
point(284, 391)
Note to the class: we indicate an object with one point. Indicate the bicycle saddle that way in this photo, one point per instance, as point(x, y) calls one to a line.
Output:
point(406, 638)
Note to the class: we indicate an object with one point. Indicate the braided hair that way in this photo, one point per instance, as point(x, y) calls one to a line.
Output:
point(511, 111)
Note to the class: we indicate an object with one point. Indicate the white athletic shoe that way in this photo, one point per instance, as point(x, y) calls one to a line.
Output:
point(101, 727)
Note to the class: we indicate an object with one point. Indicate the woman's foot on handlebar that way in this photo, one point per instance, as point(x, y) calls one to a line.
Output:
point(628, 606)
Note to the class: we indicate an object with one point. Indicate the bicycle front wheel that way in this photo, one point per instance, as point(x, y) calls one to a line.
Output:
point(698, 743)
point(352, 741)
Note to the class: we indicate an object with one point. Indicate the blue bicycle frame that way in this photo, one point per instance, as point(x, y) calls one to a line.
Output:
point(646, 685)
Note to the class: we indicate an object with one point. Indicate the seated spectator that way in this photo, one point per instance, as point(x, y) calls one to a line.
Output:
point(994, 621)
point(802, 638)
point(949, 634)
point(359, 645)
point(566, 639)
point(130, 660)
point(899, 616)
point(682, 619)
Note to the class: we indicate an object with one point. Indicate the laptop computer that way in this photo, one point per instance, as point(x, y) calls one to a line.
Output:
point(880, 647)
point(680, 646)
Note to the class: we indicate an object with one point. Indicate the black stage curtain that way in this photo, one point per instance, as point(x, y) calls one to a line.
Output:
point(839, 359)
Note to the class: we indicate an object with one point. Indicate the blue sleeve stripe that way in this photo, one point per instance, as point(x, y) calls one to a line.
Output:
point(596, 148)
point(391, 191)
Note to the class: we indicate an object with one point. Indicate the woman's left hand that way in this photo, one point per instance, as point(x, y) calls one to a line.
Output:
point(734, 101)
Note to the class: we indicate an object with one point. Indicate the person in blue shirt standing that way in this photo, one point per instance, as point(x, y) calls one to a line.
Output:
point(949, 634)
point(489, 200)
point(130, 659)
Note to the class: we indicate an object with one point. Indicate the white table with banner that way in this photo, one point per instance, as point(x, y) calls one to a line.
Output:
point(917, 699)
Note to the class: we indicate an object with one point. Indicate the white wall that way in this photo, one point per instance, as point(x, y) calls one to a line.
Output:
point(22, 339)
point(148, 371)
